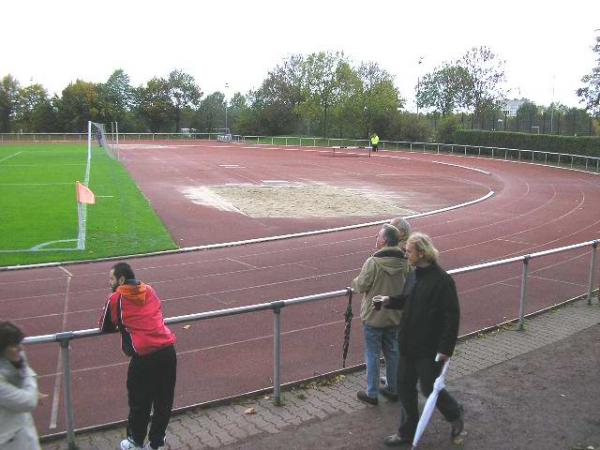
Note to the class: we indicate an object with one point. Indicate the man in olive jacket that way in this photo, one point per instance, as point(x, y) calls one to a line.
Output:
point(382, 274)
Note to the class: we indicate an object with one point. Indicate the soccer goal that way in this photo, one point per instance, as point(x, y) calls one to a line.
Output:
point(99, 136)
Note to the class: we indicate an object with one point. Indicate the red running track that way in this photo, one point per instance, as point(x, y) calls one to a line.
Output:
point(534, 208)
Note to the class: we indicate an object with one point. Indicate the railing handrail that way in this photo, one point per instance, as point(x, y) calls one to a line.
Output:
point(68, 335)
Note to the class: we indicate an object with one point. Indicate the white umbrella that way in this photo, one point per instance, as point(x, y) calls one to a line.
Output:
point(438, 385)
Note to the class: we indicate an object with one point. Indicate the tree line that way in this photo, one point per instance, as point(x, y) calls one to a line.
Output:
point(320, 94)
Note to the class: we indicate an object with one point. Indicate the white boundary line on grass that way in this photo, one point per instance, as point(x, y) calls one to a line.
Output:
point(250, 241)
point(10, 156)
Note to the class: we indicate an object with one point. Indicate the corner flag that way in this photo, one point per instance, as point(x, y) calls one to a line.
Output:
point(84, 194)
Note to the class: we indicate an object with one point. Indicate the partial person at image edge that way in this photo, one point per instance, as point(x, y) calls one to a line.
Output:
point(18, 392)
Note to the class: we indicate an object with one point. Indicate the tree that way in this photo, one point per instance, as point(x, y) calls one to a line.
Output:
point(325, 83)
point(590, 92)
point(183, 92)
point(34, 111)
point(211, 113)
point(379, 97)
point(485, 73)
point(79, 103)
point(154, 104)
point(444, 89)
point(9, 97)
point(116, 97)
point(526, 116)
point(277, 102)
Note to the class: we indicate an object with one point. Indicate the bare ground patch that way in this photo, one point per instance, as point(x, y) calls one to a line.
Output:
point(297, 200)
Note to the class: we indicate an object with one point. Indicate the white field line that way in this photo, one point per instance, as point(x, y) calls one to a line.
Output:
point(58, 379)
point(10, 156)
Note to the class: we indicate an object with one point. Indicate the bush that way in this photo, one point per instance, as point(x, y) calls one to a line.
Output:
point(585, 145)
point(446, 128)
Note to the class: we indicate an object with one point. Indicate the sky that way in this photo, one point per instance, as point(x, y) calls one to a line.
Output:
point(546, 45)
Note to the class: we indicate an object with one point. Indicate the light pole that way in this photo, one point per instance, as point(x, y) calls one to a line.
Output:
point(419, 82)
point(226, 88)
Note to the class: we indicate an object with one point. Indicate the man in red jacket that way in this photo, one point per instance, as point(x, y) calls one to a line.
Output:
point(134, 310)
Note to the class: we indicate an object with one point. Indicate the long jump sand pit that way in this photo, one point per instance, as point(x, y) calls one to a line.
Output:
point(296, 200)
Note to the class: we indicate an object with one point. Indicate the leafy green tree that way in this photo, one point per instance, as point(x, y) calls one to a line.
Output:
point(277, 102)
point(9, 98)
point(79, 103)
point(34, 111)
point(590, 92)
point(443, 90)
point(211, 113)
point(527, 116)
point(326, 75)
point(154, 104)
point(116, 98)
point(183, 92)
point(483, 82)
point(380, 99)
point(446, 128)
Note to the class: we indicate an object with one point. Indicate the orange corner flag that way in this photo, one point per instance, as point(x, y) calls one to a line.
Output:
point(84, 194)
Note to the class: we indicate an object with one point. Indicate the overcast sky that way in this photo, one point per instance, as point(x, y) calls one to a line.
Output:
point(547, 45)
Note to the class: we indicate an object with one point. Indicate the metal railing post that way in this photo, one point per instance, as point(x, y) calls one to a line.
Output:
point(277, 352)
point(65, 342)
point(523, 292)
point(592, 273)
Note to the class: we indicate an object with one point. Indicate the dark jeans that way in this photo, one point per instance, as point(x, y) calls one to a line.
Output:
point(425, 371)
point(151, 385)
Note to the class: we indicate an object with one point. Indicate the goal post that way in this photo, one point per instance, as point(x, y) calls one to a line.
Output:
point(99, 137)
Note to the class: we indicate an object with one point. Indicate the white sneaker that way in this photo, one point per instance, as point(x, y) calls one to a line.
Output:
point(129, 444)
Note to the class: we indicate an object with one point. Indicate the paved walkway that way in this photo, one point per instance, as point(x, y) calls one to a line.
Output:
point(532, 389)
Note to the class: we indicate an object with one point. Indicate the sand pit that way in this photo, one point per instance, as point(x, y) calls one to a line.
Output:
point(296, 200)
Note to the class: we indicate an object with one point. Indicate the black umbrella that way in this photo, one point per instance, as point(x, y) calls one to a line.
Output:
point(348, 319)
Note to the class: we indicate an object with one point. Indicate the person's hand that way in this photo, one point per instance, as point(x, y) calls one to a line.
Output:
point(440, 357)
point(381, 298)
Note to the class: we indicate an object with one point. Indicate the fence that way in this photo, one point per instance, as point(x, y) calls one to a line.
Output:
point(588, 163)
point(277, 306)
point(40, 138)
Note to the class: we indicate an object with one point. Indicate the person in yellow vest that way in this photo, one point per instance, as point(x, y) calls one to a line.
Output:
point(374, 142)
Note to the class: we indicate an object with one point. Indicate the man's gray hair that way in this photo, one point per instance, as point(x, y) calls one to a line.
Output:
point(424, 244)
point(390, 235)
point(402, 226)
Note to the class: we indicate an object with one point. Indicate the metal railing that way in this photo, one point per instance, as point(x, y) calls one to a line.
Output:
point(64, 339)
point(583, 162)
point(40, 138)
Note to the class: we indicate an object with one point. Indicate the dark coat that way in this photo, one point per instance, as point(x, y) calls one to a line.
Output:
point(431, 314)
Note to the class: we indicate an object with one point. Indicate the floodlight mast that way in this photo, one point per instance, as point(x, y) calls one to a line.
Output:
point(226, 128)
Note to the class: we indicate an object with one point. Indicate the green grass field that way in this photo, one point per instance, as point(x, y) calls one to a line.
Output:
point(38, 207)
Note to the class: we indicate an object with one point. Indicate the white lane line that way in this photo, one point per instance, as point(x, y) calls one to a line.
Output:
point(58, 379)
point(65, 271)
point(10, 156)
point(462, 167)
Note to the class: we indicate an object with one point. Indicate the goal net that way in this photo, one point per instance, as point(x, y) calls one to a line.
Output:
point(99, 136)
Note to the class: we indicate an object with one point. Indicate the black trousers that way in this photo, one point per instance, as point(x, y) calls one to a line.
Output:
point(424, 371)
point(151, 386)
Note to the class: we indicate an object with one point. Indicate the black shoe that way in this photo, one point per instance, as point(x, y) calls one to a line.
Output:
point(362, 396)
point(391, 396)
point(395, 440)
point(457, 425)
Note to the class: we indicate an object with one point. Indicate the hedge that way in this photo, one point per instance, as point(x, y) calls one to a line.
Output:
point(584, 145)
